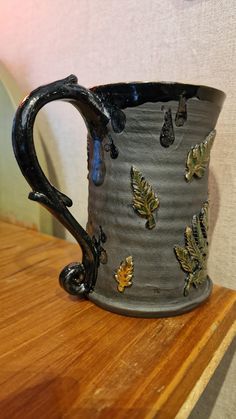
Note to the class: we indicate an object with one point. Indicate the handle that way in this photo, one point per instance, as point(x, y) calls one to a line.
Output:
point(76, 278)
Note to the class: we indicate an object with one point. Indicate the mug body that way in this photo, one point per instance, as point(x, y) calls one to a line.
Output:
point(150, 203)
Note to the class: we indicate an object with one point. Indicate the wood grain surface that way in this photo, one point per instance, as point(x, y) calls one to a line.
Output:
point(61, 357)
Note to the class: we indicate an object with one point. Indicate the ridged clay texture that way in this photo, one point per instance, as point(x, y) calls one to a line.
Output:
point(158, 280)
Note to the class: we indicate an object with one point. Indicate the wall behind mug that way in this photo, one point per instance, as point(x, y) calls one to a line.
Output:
point(105, 41)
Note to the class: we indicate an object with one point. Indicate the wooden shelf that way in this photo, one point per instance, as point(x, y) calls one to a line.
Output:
point(61, 357)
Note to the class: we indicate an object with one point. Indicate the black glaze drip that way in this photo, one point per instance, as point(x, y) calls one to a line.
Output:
point(167, 135)
point(181, 114)
point(112, 148)
point(118, 120)
point(102, 238)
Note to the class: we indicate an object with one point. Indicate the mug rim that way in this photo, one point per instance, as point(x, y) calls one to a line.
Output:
point(158, 91)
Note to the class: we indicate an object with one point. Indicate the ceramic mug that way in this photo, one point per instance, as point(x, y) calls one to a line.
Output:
point(145, 247)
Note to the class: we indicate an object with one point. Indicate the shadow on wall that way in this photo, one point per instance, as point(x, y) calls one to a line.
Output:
point(208, 400)
point(57, 228)
point(48, 142)
point(14, 206)
point(54, 146)
point(49, 146)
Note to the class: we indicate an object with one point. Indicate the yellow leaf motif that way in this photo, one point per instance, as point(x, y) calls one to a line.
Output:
point(198, 158)
point(145, 202)
point(124, 274)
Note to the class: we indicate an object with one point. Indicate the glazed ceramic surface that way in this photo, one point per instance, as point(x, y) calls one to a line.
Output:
point(145, 249)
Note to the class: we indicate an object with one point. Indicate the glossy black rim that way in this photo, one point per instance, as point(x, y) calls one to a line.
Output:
point(124, 95)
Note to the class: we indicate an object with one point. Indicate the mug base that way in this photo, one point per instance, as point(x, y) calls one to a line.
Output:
point(151, 310)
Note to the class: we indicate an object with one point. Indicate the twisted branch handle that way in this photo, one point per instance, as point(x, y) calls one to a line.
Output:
point(76, 278)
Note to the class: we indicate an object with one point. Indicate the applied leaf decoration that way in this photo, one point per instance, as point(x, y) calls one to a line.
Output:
point(198, 158)
point(145, 201)
point(193, 257)
point(124, 274)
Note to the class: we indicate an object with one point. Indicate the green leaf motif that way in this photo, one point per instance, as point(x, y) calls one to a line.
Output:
point(184, 258)
point(194, 279)
point(193, 257)
point(191, 244)
point(198, 234)
point(204, 219)
point(145, 202)
point(198, 158)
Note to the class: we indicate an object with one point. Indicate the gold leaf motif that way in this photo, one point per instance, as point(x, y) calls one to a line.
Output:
point(145, 202)
point(198, 158)
point(193, 257)
point(191, 244)
point(184, 258)
point(124, 274)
